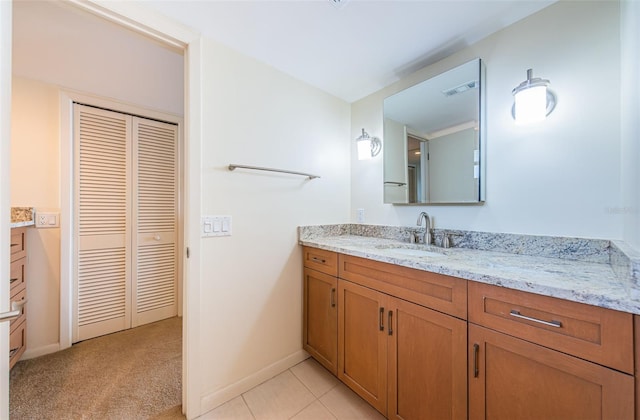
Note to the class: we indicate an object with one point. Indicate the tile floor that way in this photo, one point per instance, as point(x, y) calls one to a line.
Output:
point(306, 391)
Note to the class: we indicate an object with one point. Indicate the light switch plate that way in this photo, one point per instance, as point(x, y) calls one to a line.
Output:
point(45, 220)
point(215, 226)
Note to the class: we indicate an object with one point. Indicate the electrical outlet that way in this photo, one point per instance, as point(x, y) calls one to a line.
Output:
point(46, 220)
point(360, 215)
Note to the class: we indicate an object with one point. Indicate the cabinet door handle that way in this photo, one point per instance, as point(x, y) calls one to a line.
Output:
point(556, 324)
point(333, 297)
point(13, 279)
point(318, 260)
point(390, 322)
point(476, 355)
point(381, 319)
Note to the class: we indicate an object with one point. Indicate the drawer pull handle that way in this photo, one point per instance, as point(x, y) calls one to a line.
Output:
point(318, 260)
point(16, 310)
point(13, 279)
point(333, 297)
point(390, 322)
point(381, 319)
point(556, 324)
point(476, 354)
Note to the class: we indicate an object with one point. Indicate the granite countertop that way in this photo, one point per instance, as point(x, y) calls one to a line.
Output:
point(21, 217)
point(594, 283)
point(22, 224)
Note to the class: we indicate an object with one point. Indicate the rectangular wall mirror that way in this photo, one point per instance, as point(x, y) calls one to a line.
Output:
point(433, 139)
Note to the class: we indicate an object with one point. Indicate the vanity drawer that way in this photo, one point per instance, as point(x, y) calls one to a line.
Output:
point(436, 291)
point(18, 243)
point(17, 278)
point(321, 260)
point(597, 334)
point(18, 343)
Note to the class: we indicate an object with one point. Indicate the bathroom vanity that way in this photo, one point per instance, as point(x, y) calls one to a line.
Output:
point(422, 332)
point(21, 219)
point(18, 292)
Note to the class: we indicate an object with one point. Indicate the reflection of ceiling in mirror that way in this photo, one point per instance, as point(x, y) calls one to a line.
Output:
point(446, 100)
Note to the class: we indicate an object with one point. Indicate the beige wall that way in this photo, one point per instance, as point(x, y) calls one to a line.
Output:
point(560, 177)
point(35, 182)
point(251, 289)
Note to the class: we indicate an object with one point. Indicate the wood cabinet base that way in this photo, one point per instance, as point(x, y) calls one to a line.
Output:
point(510, 378)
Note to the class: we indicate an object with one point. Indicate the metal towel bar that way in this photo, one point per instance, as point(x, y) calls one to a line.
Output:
point(259, 168)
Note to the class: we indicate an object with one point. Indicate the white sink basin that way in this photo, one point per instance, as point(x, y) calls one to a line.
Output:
point(414, 252)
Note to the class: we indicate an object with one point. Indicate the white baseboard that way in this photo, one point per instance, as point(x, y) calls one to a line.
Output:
point(217, 398)
point(40, 351)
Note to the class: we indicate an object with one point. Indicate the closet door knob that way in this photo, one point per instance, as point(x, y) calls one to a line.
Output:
point(156, 237)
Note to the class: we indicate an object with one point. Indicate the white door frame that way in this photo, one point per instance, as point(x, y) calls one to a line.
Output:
point(134, 15)
point(5, 198)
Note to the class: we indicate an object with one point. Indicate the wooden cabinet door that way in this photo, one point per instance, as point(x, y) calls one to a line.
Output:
point(510, 378)
point(427, 363)
point(320, 329)
point(362, 342)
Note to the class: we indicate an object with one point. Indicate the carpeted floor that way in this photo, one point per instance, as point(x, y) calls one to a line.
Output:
point(134, 374)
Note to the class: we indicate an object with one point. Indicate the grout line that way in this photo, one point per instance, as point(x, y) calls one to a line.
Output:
point(247, 405)
point(304, 408)
point(323, 368)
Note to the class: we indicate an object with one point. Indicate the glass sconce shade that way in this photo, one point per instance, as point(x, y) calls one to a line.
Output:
point(532, 100)
point(368, 146)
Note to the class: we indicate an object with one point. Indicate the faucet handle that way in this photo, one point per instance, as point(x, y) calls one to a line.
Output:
point(447, 239)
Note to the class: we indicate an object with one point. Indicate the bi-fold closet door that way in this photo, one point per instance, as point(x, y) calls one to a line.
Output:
point(125, 217)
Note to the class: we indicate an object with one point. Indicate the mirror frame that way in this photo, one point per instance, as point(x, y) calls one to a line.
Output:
point(391, 186)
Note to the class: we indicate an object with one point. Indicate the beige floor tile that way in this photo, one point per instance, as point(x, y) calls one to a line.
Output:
point(278, 398)
point(236, 409)
point(345, 404)
point(315, 411)
point(315, 377)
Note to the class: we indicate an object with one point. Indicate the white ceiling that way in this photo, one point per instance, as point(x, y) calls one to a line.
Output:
point(353, 50)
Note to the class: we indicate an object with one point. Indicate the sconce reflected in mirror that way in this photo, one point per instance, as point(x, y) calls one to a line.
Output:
point(533, 101)
point(368, 146)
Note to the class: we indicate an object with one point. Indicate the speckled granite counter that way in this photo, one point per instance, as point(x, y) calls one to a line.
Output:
point(21, 216)
point(583, 275)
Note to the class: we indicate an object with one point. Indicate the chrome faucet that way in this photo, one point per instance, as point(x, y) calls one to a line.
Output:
point(427, 233)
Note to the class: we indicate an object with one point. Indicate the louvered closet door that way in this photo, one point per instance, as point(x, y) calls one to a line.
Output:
point(102, 301)
point(155, 207)
point(126, 207)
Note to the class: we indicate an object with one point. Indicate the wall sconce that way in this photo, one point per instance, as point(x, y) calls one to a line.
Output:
point(368, 147)
point(532, 100)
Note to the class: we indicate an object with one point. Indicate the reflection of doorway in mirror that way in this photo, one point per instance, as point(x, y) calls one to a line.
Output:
point(412, 177)
point(452, 175)
point(416, 168)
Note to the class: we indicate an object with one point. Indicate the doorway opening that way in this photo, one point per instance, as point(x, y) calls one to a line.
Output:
point(58, 80)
